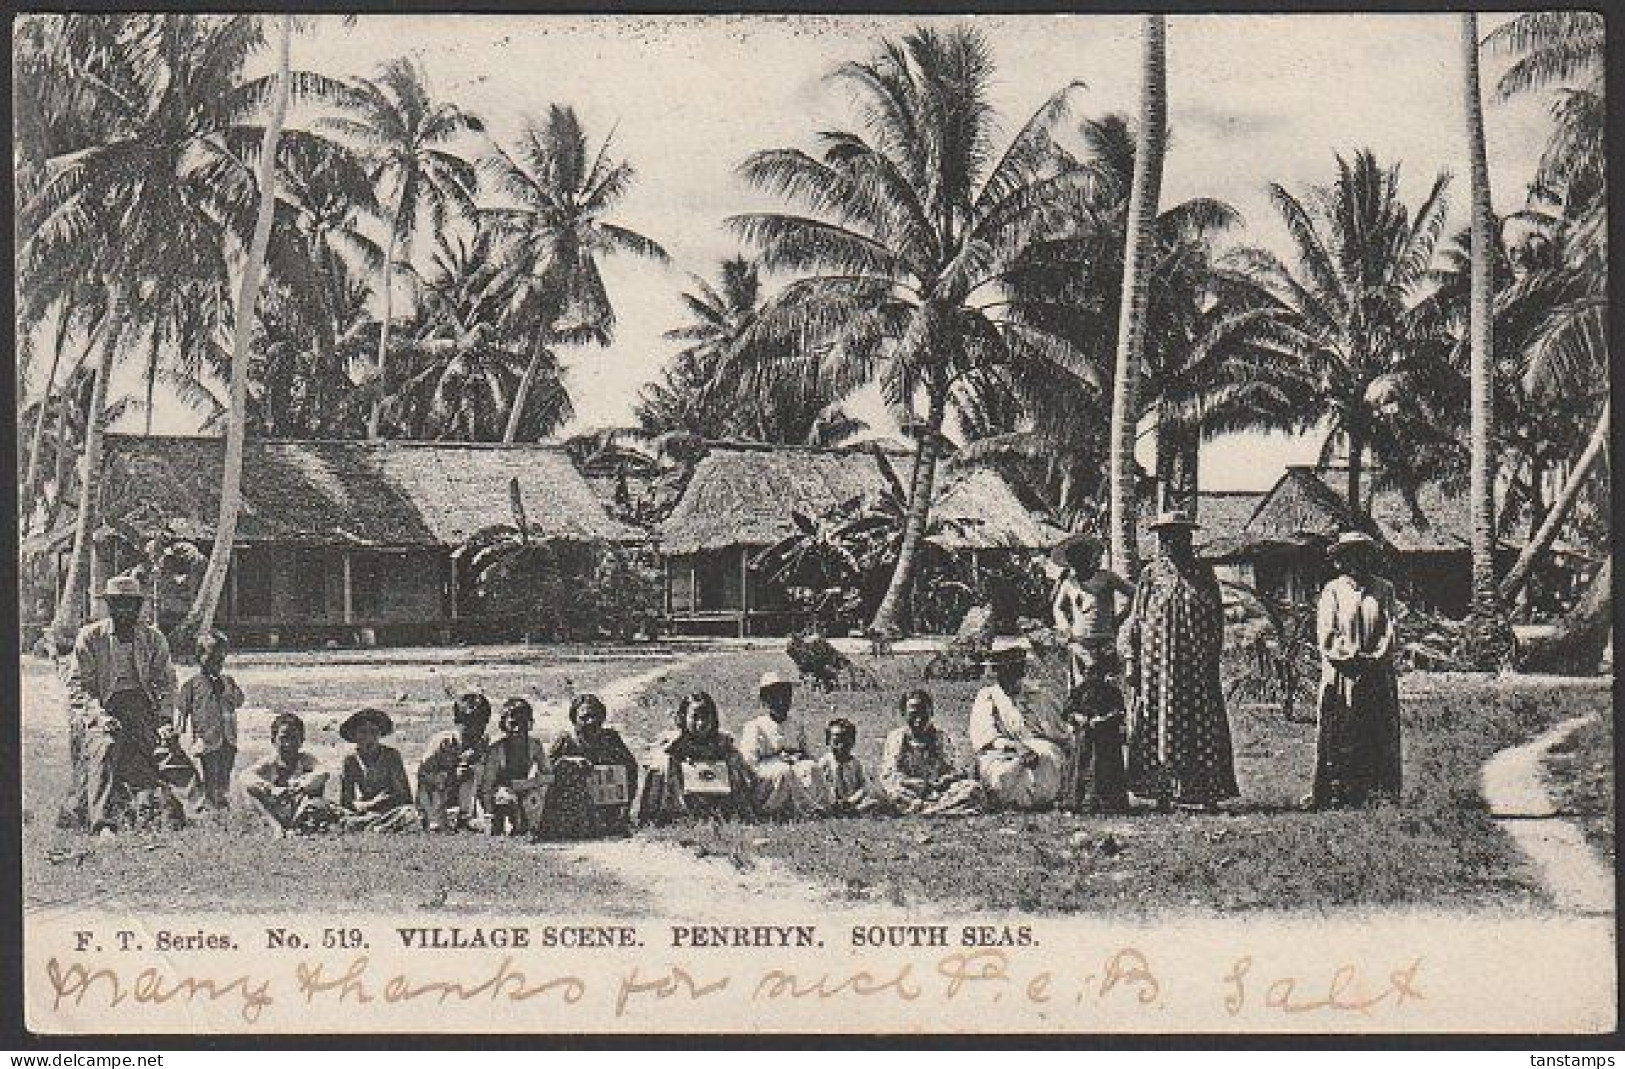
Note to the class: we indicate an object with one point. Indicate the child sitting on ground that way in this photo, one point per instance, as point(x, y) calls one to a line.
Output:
point(287, 786)
point(848, 782)
point(453, 767)
point(517, 774)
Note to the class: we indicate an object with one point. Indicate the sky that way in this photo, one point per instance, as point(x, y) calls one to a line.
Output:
point(1252, 99)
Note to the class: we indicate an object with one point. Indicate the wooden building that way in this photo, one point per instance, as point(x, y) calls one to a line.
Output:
point(354, 542)
point(740, 498)
point(1280, 549)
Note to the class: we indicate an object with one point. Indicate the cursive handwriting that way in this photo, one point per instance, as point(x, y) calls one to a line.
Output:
point(505, 981)
point(1343, 992)
point(666, 985)
point(74, 983)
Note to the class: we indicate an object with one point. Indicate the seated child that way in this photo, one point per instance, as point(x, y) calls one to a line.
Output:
point(1095, 706)
point(286, 787)
point(453, 767)
point(206, 706)
point(517, 774)
point(697, 772)
point(919, 768)
point(373, 789)
point(596, 775)
point(848, 783)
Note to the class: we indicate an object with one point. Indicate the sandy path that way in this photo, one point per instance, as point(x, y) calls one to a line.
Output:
point(1514, 786)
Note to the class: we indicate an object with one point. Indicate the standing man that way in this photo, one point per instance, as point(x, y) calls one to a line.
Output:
point(121, 690)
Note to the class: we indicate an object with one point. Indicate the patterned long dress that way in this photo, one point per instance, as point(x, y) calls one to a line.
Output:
point(1179, 736)
point(570, 811)
point(1357, 751)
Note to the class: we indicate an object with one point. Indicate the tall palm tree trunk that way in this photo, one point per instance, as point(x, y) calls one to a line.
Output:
point(231, 482)
point(37, 439)
point(521, 393)
point(1143, 198)
point(1543, 538)
point(1356, 463)
point(892, 612)
point(152, 375)
point(1481, 491)
point(71, 602)
point(375, 416)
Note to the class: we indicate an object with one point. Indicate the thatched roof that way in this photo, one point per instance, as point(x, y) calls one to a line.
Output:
point(1303, 509)
point(1221, 513)
point(744, 496)
point(386, 494)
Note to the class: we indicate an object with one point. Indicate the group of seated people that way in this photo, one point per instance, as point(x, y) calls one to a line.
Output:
point(135, 735)
point(587, 783)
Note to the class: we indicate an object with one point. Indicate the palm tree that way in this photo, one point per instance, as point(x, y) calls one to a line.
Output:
point(1563, 50)
point(151, 194)
point(911, 229)
point(403, 133)
point(1346, 325)
point(560, 192)
point(1481, 346)
point(311, 315)
point(201, 616)
point(1131, 317)
point(462, 364)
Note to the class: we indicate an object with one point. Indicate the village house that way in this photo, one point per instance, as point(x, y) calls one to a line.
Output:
point(354, 542)
point(1279, 548)
point(740, 499)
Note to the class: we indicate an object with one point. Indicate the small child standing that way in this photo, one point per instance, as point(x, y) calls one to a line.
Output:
point(207, 705)
point(848, 782)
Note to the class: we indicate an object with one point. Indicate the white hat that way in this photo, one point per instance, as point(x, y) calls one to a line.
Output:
point(124, 586)
point(773, 679)
point(1351, 540)
point(1172, 519)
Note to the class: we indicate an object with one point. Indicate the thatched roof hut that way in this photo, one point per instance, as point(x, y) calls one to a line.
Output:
point(1300, 510)
point(742, 495)
point(377, 494)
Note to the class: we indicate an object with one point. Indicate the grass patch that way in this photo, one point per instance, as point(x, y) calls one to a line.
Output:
point(1580, 770)
point(1439, 848)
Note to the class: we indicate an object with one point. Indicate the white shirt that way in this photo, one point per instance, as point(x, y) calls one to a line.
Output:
point(764, 738)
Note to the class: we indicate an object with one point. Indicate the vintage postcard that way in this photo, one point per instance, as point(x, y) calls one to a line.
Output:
point(822, 524)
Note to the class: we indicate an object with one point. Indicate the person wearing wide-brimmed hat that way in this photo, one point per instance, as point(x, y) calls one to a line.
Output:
point(1085, 605)
point(1179, 736)
point(373, 789)
point(1023, 751)
point(775, 749)
point(121, 689)
point(1357, 751)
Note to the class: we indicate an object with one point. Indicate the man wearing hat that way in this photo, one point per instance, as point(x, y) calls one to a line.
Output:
point(121, 689)
point(1179, 736)
point(774, 746)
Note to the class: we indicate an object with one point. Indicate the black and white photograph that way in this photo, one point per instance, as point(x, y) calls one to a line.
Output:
point(818, 523)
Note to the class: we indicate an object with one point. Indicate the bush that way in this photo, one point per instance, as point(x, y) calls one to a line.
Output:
point(567, 591)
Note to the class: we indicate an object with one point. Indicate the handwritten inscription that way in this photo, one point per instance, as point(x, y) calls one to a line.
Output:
point(504, 965)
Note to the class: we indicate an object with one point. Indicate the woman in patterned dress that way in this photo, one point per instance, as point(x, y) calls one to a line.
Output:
point(1179, 736)
point(1357, 751)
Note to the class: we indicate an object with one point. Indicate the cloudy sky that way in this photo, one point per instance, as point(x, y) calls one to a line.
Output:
point(1252, 99)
